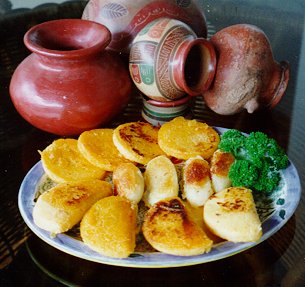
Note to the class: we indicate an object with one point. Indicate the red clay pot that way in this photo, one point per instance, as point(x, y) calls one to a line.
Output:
point(247, 76)
point(69, 83)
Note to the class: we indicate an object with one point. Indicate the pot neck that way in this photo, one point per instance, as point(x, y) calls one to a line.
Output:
point(67, 39)
point(194, 66)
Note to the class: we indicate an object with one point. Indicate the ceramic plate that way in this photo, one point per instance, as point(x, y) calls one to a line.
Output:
point(274, 212)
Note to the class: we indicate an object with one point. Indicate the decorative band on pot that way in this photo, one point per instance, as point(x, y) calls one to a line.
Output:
point(158, 113)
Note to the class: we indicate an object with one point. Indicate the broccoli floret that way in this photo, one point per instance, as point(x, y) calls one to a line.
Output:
point(232, 141)
point(243, 173)
point(258, 160)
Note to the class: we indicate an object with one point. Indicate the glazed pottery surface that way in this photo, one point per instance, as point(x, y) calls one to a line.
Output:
point(168, 61)
point(125, 18)
point(158, 113)
point(69, 84)
point(247, 75)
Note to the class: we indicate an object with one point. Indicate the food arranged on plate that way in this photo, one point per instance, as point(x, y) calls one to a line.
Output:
point(181, 187)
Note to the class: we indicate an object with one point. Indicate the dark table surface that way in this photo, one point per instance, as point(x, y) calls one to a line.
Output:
point(25, 260)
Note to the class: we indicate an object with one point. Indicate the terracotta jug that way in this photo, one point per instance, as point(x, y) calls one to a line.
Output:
point(125, 18)
point(69, 83)
point(247, 76)
point(167, 61)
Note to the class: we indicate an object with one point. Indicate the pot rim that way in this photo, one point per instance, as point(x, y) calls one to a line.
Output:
point(210, 61)
point(282, 85)
point(37, 37)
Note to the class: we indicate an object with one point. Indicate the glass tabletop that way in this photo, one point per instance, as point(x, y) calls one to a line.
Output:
point(26, 260)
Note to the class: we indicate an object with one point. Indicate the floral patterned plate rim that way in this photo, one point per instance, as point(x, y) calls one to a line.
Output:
point(274, 212)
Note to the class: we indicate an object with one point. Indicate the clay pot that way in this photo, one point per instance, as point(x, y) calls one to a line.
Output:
point(125, 18)
point(247, 76)
point(168, 61)
point(158, 113)
point(69, 84)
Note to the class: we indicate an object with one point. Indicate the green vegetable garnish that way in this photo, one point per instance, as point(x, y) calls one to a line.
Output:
point(247, 173)
point(258, 160)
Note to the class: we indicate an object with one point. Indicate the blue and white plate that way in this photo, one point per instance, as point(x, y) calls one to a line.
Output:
point(274, 212)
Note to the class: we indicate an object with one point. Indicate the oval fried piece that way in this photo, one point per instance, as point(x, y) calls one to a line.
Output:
point(98, 148)
point(62, 161)
point(231, 214)
point(64, 205)
point(183, 139)
point(161, 180)
point(128, 182)
point(137, 141)
point(109, 227)
point(170, 229)
point(196, 212)
point(220, 166)
point(197, 186)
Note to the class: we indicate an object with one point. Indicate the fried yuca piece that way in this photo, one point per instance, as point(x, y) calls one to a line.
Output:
point(231, 214)
point(220, 166)
point(183, 138)
point(161, 180)
point(64, 205)
point(109, 227)
point(137, 141)
point(169, 228)
point(196, 212)
point(98, 148)
point(128, 182)
point(197, 186)
point(62, 162)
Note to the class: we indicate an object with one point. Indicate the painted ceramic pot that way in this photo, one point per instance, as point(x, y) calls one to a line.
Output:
point(168, 61)
point(125, 18)
point(158, 113)
point(247, 76)
point(66, 85)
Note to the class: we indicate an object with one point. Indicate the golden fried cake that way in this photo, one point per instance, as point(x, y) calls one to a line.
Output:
point(128, 182)
point(137, 141)
point(220, 165)
point(161, 180)
point(169, 228)
point(64, 205)
point(196, 213)
point(62, 161)
point(183, 139)
point(98, 148)
point(109, 227)
point(231, 214)
point(197, 186)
